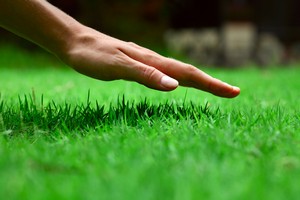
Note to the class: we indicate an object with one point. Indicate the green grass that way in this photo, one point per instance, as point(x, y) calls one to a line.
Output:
point(65, 136)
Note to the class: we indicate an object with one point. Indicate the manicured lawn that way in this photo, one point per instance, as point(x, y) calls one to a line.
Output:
point(66, 136)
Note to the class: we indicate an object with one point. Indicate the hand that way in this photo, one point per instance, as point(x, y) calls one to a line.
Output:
point(100, 56)
point(105, 58)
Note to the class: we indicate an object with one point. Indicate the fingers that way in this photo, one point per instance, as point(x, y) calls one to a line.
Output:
point(186, 75)
point(151, 77)
point(200, 80)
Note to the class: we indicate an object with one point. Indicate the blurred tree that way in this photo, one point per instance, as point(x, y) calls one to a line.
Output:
point(141, 21)
point(145, 21)
point(282, 19)
point(194, 13)
point(71, 7)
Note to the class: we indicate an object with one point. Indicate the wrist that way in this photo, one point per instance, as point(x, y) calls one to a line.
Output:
point(66, 40)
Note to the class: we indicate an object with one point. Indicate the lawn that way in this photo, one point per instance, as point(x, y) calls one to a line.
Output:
point(66, 136)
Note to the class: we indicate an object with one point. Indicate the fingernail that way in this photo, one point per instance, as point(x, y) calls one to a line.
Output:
point(169, 82)
point(236, 88)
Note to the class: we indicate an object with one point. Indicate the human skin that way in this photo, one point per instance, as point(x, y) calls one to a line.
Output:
point(100, 56)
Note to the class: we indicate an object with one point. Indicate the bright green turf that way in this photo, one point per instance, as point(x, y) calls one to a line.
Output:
point(243, 148)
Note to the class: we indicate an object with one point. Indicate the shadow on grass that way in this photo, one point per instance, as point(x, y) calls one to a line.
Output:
point(28, 116)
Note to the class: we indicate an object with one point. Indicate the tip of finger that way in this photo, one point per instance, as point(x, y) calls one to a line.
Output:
point(235, 91)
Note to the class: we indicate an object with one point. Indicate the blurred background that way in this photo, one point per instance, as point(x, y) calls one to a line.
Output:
point(215, 33)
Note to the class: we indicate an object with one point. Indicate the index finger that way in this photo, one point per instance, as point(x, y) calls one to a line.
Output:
point(186, 74)
point(190, 76)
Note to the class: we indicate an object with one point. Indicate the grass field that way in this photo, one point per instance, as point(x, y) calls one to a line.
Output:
point(65, 136)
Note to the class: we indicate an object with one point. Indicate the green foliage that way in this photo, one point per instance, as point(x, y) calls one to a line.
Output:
point(29, 116)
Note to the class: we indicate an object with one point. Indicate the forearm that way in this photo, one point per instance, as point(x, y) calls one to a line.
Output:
point(39, 22)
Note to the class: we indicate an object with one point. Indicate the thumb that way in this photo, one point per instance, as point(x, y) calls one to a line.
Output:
point(155, 79)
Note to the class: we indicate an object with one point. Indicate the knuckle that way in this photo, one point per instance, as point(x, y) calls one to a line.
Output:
point(132, 44)
point(149, 56)
point(189, 72)
point(168, 62)
point(210, 86)
point(149, 72)
point(119, 59)
point(191, 69)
